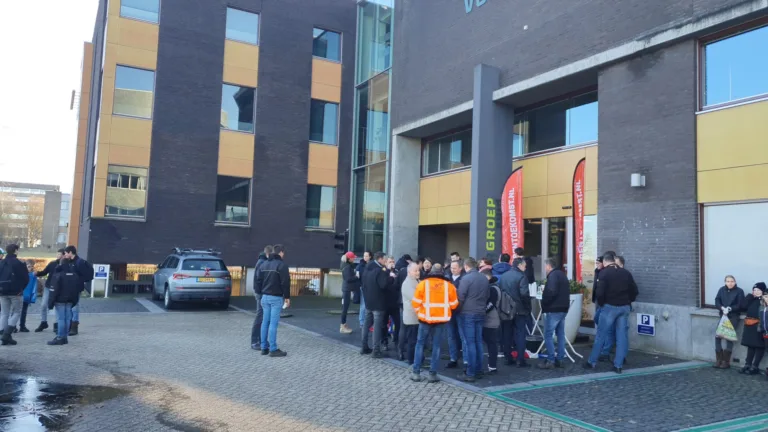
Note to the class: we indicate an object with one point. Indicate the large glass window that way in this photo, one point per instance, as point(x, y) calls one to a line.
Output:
point(373, 120)
point(565, 123)
point(736, 67)
point(126, 192)
point(323, 121)
point(237, 107)
point(232, 199)
point(374, 39)
point(448, 153)
point(134, 91)
point(321, 203)
point(371, 205)
point(242, 26)
point(326, 44)
point(144, 10)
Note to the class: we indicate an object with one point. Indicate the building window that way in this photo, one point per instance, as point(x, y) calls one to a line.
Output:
point(736, 67)
point(134, 89)
point(326, 44)
point(370, 201)
point(61, 238)
point(65, 205)
point(448, 153)
point(232, 199)
point(321, 204)
point(242, 26)
point(144, 10)
point(323, 118)
point(374, 40)
point(237, 107)
point(373, 120)
point(126, 191)
point(561, 124)
point(726, 226)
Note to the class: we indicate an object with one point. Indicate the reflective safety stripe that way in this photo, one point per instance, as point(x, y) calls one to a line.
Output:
point(445, 305)
point(417, 300)
point(426, 299)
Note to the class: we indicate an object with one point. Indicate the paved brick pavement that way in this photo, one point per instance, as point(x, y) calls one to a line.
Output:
point(122, 304)
point(195, 371)
point(656, 402)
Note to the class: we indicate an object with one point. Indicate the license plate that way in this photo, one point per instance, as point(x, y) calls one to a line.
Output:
point(204, 279)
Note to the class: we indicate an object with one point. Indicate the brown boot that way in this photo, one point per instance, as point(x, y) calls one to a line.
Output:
point(718, 359)
point(726, 360)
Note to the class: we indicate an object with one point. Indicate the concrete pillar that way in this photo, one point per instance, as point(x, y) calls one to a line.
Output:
point(404, 182)
point(492, 126)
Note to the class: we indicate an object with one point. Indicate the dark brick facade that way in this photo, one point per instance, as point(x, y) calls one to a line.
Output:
point(648, 125)
point(437, 44)
point(183, 168)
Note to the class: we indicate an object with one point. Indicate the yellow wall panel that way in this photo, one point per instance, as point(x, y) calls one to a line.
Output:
point(535, 176)
point(326, 72)
point(322, 176)
point(445, 198)
point(102, 161)
point(535, 207)
point(105, 128)
point(99, 197)
point(590, 202)
point(560, 169)
point(114, 8)
point(113, 30)
point(324, 156)
point(128, 155)
point(77, 190)
point(432, 216)
point(326, 92)
point(590, 172)
point(107, 96)
point(130, 56)
point(734, 184)
point(428, 193)
point(555, 204)
point(236, 145)
point(241, 76)
point(137, 34)
point(132, 132)
point(733, 137)
point(110, 60)
point(465, 185)
point(241, 55)
point(235, 167)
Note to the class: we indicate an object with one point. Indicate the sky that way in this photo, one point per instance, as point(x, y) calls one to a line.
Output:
point(42, 58)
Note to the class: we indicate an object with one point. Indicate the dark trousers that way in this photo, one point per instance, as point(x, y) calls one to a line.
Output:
point(256, 329)
point(754, 356)
point(23, 320)
point(508, 339)
point(375, 319)
point(520, 335)
point(408, 338)
point(491, 339)
point(346, 299)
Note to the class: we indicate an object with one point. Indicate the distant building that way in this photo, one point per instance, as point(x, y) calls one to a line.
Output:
point(30, 214)
point(63, 236)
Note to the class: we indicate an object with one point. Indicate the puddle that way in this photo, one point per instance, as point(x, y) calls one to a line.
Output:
point(29, 404)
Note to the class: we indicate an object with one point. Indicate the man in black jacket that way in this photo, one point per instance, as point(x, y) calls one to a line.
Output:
point(273, 281)
point(48, 271)
point(361, 266)
point(84, 271)
point(65, 294)
point(555, 302)
point(13, 279)
point(375, 283)
point(616, 290)
point(515, 283)
point(256, 328)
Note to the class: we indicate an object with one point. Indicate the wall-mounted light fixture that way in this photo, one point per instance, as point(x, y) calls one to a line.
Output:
point(637, 180)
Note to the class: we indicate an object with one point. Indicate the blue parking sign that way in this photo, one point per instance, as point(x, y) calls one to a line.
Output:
point(646, 324)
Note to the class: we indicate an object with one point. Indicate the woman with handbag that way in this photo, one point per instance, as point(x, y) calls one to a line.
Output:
point(752, 337)
point(728, 302)
point(350, 285)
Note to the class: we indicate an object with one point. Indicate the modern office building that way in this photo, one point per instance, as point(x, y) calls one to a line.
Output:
point(661, 103)
point(30, 214)
point(62, 237)
point(215, 124)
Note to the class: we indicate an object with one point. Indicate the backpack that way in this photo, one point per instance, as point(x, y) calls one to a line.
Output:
point(506, 305)
point(88, 275)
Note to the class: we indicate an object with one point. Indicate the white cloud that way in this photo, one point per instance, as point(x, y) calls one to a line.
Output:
point(42, 48)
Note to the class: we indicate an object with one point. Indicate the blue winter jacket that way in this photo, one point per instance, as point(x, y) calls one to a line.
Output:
point(30, 292)
point(500, 268)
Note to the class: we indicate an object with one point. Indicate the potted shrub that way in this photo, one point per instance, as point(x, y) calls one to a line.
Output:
point(573, 319)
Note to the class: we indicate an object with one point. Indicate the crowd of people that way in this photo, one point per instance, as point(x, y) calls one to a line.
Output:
point(479, 306)
point(66, 278)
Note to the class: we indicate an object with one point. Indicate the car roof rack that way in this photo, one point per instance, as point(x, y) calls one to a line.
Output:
point(190, 251)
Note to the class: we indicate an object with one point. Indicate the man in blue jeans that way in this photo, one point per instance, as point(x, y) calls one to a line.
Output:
point(616, 290)
point(273, 281)
point(555, 302)
point(360, 273)
point(473, 294)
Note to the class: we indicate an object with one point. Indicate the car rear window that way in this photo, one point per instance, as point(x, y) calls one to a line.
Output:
point(203, 264)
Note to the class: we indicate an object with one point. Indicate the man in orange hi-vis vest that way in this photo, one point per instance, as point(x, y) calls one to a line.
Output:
point(434, 300)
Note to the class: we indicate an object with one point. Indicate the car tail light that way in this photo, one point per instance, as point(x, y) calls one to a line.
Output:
point(228, 288)
point(180, 276)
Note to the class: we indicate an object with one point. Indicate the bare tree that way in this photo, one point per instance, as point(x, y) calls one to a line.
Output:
point(34, 210)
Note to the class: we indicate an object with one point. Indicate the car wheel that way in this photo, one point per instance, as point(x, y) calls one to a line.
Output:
point(167, 302)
